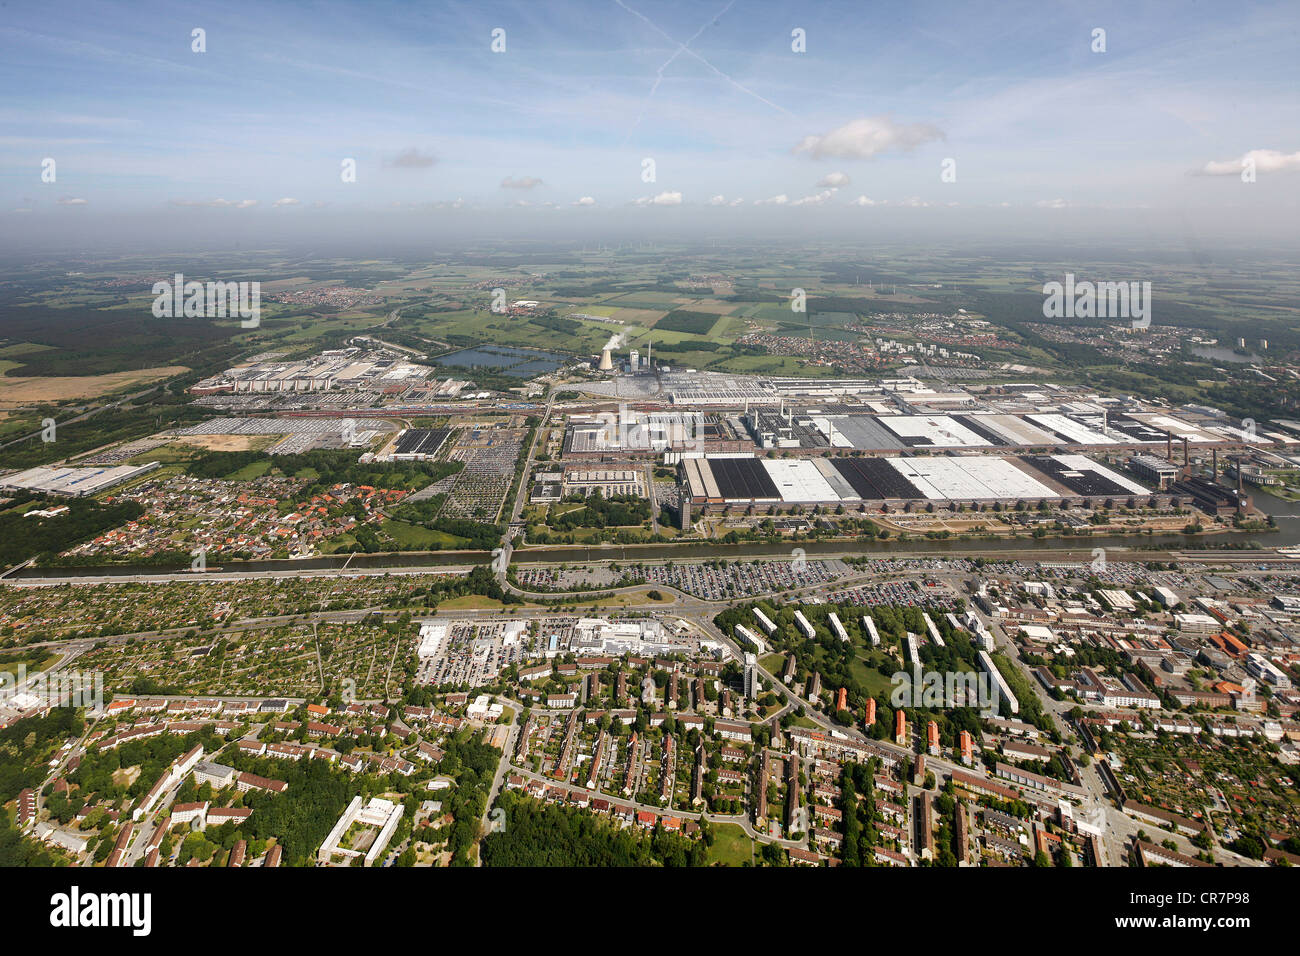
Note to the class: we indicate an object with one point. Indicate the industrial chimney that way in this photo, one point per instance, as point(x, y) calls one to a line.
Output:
point(606, 361)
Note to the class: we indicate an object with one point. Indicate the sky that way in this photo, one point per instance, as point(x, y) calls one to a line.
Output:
point(709, 117)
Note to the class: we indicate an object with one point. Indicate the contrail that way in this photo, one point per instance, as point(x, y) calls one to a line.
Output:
point(685, 48)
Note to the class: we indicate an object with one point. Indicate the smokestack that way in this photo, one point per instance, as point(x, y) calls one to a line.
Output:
point(1214, 473)
point(1186, 460)
point(1169, 447)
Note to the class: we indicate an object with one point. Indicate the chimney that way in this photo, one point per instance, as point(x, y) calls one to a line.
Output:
point(1214, 472)
point(1186, 461)
point(1169, 447)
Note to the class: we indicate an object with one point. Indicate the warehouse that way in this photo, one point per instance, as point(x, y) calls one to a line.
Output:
point(1014, 430)
point(874, 479)
point(1083, 476)
point(857, 431)
point(1071, 431)
point(933, 431)
point(944, 479)
point(72, 482)
point(419, 444)
point(608, 482)
point(799, 481)
point(774, 483)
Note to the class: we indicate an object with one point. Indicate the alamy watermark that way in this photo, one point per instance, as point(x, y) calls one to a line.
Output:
point(213, 300)
point(945, 690)
point(660, 431)
point(1098, 300)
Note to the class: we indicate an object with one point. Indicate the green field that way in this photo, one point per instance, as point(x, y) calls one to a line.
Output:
point(732, 846)
point(418, 538)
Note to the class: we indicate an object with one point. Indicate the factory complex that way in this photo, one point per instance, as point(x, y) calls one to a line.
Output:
point(749, 480)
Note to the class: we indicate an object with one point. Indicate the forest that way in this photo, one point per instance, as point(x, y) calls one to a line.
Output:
point(538, 834)
point(22, 537)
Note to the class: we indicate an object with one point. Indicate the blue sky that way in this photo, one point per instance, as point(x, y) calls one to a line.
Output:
point(561, 122)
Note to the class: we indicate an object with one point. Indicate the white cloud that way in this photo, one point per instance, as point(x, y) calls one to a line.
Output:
point(863, 201)
point(284, 202)
point(524, 182)
point(780, 200)
point(1053, 204)
point(816, 200)
point(867, 138)
point(718, 200)
point(585, 201)
point(216, 203)
point(834, 180)
point(1266, 161)
point(663, 199)
point(73, 202)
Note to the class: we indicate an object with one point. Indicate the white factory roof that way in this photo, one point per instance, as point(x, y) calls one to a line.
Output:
point(73, 481)
point(1178, 427)
point(1016, 430)
point(799, 480)
point(1081, 463)
point(945, 478)
point(937, 430)
point(1074, 432)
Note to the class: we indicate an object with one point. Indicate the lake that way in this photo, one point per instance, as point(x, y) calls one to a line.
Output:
point(504, 360)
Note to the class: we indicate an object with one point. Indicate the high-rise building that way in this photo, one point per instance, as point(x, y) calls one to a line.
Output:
point(751, 676)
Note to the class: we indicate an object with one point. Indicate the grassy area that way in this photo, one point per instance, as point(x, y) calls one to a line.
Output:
point(864, 668)
point(732, 846)
point(31, 663)
point(470, 602)
point(630, 598)
point(250, 471)
point(420, 538)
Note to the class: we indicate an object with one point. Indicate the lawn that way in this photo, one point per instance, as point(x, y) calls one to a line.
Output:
point(250, 471)
point(419, 538)
point(470, 602)
point(732, 846)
